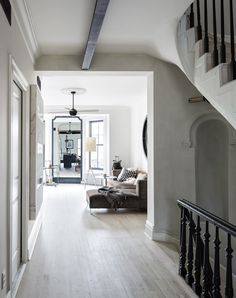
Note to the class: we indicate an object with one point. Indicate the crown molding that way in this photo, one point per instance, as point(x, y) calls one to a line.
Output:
point(23, 18)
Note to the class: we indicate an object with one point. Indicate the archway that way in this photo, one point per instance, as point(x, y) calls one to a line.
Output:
point(211, 160)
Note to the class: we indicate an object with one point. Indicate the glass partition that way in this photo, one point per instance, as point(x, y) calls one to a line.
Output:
point(67, 149)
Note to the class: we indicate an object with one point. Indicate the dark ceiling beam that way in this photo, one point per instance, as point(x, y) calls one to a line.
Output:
point(96, 25)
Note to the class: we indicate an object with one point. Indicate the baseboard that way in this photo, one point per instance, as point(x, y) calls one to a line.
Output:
point(154, 235)
point(34, 233)
point(165, 237)
point(149, 230)
point(17, 284)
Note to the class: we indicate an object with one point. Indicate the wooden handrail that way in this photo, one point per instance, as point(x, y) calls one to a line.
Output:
point(215, 220)
point(195, 267)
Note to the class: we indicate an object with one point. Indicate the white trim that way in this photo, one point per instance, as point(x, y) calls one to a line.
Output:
point(34, 233)
point(17, 284)
point(16, 74)
point(149, 230)
point(151, 233)
point(24, 21)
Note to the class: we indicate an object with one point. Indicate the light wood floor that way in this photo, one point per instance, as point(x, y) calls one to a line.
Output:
point(104, 255)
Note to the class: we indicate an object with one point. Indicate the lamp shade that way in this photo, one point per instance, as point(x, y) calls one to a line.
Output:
point(90, 144)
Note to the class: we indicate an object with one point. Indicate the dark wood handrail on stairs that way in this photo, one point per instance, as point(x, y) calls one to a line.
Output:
point(194, 265)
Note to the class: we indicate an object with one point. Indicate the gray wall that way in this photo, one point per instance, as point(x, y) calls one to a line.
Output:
point(175, 159)
point(212, 146)
point(11, 43)
point(175, 152)
point(171, 161)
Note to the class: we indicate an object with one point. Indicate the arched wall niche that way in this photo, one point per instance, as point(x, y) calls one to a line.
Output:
point(207, 117)
point(210, 168)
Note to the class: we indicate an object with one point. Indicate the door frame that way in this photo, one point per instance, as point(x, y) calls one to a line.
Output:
point(67, 179)
point(16, 75)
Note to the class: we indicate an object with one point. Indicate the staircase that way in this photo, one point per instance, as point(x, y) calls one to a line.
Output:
point(208, 58)
point(204, 275)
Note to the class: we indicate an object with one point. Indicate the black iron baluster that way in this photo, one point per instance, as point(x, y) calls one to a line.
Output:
point(206, 38)
point(198, 260)
point(233, 63)
point(215, 50)
point(191, 16)
point(216, 284)
point(182, 260)
point(199, 27)
point(189, 276)
point(222, 21)
point(206, 289)
point(229, 292)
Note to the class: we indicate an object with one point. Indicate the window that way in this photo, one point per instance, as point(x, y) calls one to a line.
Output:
point(96, 129)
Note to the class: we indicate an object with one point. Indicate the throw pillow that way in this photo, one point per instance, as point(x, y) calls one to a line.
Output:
point(130, 181)
point(125, 174)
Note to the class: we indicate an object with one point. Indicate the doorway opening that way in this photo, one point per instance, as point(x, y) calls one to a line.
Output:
point(67, 149)
point(112, 110)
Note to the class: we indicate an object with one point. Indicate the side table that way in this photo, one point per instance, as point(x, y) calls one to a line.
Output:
point(104, 178)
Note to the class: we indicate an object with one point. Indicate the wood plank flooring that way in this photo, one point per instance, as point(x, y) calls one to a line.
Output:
point(104, 255)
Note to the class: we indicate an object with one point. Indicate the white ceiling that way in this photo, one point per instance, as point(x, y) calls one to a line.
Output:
point(105, 90)
point(130, 26)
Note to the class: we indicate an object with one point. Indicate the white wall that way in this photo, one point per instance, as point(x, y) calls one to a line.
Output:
point(11, 43)
point(120, 135)
point(138, 116)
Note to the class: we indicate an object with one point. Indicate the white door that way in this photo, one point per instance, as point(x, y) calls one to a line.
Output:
point(16, 180)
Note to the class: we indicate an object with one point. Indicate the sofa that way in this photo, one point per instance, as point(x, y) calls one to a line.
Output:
point(135, 194)
point(129, 184)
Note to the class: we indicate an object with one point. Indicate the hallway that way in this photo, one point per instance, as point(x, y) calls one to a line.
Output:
point(101, 255)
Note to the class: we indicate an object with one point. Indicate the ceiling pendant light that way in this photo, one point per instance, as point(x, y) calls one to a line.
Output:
point(73, 111)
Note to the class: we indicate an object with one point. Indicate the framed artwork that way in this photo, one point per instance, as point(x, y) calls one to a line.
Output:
point(70, 144)
point(145, 140)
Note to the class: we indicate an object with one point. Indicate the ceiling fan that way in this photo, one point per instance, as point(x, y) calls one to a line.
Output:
point(72, 110)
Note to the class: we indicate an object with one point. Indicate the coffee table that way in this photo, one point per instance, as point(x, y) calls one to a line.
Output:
point(104, 178)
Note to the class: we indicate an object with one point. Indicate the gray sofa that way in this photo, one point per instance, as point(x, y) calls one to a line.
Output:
point(136, 198)
point(135, 194)
point(125, 185)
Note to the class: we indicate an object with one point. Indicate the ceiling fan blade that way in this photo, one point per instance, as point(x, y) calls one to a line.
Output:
point(66, 108)
point(88, 111)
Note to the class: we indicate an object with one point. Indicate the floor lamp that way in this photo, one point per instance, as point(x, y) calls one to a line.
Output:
point(90, 146)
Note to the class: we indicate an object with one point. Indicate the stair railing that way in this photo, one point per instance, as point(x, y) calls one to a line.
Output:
point(196, 9)
point(194, 263)
point(222, 26)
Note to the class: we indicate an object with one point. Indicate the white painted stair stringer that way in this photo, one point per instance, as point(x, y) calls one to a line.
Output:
point(214, 83)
